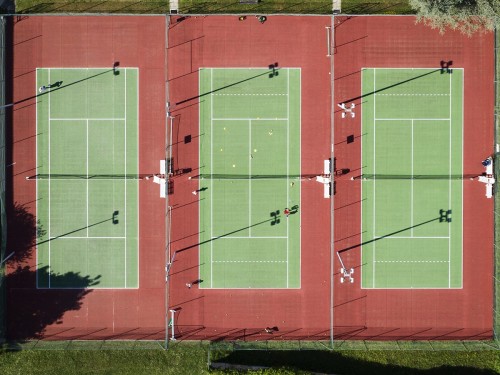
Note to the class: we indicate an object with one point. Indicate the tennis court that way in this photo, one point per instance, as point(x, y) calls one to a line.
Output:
point(87, 169)
point(249, 174)
point(412, 153)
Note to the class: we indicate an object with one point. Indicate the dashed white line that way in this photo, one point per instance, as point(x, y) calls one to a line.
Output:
point(249, 261)
point(411, 261)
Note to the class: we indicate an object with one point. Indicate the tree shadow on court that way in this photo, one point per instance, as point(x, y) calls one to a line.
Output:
point(336, 362)
point(32, 310)
point(23, 231)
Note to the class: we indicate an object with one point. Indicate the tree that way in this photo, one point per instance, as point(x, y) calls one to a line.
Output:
point(467, 16)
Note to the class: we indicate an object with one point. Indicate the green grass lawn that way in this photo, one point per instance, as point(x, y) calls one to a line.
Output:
point(295, 6)
point(191, 358)
point(213, 7)
point(93, 6)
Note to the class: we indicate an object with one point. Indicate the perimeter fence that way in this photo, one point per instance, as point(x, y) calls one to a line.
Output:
point(3, 215)
point(496, 263)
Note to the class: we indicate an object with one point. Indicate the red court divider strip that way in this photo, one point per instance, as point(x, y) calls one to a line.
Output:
point(375, 42)
point(90, 42)
point(224, 41)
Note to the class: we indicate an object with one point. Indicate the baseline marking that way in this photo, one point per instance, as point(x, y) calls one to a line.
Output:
point(211, 171)
point(50, 265)
point(125, 168)
point(252, 237)
point(86, 237)
point(86, 119)
point(249, 261)
point(249, 119)
point(287, 169)
point(449, 200)
point(374, 169)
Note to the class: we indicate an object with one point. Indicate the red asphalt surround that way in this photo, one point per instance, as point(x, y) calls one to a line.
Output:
point(372, 42)
point(224, 41)
point(64, 42)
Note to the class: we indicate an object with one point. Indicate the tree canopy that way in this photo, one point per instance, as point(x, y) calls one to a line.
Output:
point(468, 16)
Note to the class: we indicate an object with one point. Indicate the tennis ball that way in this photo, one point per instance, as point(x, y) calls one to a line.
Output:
point(254, 150)
point(234, 165)
point(221, 149)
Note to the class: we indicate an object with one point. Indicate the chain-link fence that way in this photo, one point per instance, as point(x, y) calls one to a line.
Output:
point(496, 264)
point(3, 216)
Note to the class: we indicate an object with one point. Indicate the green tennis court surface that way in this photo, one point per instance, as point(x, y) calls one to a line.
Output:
point(412, 186)
point(87, 207)
point(250, 168)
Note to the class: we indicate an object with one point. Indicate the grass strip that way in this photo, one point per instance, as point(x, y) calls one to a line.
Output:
point(92, 6)
point(294, 6)
point(191, 358)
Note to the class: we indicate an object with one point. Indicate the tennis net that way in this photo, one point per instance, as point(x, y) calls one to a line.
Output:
point(214, 176)
point(415, 176)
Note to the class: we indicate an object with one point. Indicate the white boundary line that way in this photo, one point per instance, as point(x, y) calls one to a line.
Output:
point(249, 261)
point(87, 182)
point(252, 68)
point(137, 127)
point(361, 185)
point(36, 165)
point(249, 180)
point(81, 237)
point(87, 119)
point(300, 173)
point(461, 171)
point(411, 188)
point(412, 261)
point(250, 119)
point(430, 68)
point(412, 237)
point(104, 68)
point(374, 164)
point(287, 173)
point(211, 181)
point(249, 94)
point(252, 237)
point(125, 180)
point(449, 193)
point(50, 191)
point(411, 119)
point(200, 238)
